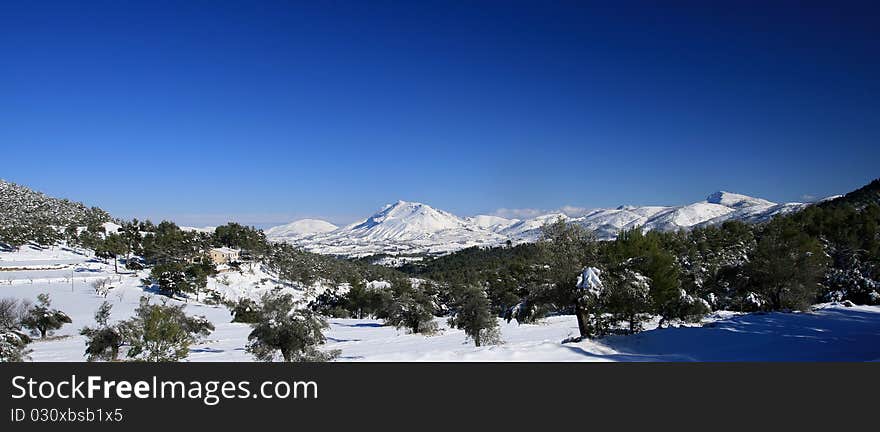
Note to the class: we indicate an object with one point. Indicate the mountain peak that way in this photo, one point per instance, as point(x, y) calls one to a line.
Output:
point(300, 228)
point(735, 200)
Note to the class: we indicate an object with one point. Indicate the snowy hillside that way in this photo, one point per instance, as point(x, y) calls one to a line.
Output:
point(299, 229)
point(494, 223)
point(21, 206)
point(413, 228)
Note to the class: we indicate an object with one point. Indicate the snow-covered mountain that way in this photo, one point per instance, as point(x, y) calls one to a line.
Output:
point(414, 228)
point(490, 222)
point(300, 229)
point(400, 228)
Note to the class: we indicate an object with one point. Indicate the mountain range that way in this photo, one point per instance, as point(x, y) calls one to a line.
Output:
point(410, 228)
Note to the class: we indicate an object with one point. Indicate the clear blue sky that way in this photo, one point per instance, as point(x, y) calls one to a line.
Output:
point(264, 111)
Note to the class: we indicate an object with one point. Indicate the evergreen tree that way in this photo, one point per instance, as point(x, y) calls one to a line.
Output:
point(283, 328)
point(104, 341)
point(565, 249)
point(162, 332)
point(42, 319)
point(112, 246)
point(13, 342)
point(471, 312)
point(410, 308)
point(787, 266)
point(628, 297)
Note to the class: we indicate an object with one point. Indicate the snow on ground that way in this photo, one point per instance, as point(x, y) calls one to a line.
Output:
point(830, 333)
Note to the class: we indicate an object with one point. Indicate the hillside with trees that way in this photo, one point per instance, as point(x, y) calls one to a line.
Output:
point(27, 215)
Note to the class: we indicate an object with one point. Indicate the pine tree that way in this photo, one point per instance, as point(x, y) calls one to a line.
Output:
point(471, 312)
point(42, 319)
point(13, 343)
point(628, 297)
point(283, 328)
point(162, 332)
point(565, 249)
point(410, 308)
point(104, 341)
point(787, 266)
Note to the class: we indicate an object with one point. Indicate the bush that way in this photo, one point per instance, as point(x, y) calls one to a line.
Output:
point(162, 332)
point(410, 308)
point(472, 313)
point(104, 341)
point(245, 310)
point(283, 328)
point(13, 343)
point(42, 319)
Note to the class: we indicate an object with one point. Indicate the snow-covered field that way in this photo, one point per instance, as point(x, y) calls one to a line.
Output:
point(830, 333)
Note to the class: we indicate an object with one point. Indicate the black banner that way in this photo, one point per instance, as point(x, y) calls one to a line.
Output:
point(416, 396)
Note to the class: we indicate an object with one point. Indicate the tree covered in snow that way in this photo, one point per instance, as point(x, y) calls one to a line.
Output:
point(42, 319)
point(286, 329)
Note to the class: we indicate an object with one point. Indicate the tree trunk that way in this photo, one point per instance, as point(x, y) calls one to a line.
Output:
point(477, 339)
point(583, 327)
point(115, 264)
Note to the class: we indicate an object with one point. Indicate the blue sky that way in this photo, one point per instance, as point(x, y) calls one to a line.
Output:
point(268, 111)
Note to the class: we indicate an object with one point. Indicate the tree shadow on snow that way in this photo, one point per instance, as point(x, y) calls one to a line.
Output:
point(823, 335)
point(360, 325)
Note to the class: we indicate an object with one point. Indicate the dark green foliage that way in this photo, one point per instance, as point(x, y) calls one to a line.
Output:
point(471, 312)
point(102, 342)
point(112, 246)
point(409, 307)
point(331, 303)
point(296, 265)
point(564, 251)
point(245, 310)
point(246, 238)
point(627, 297)
point(168, 243)
point(13, 342)
point(174, 278)
point(42, 319)
point(285, 329)
point(162, 332)
point(29, 216)
point(786, 266)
